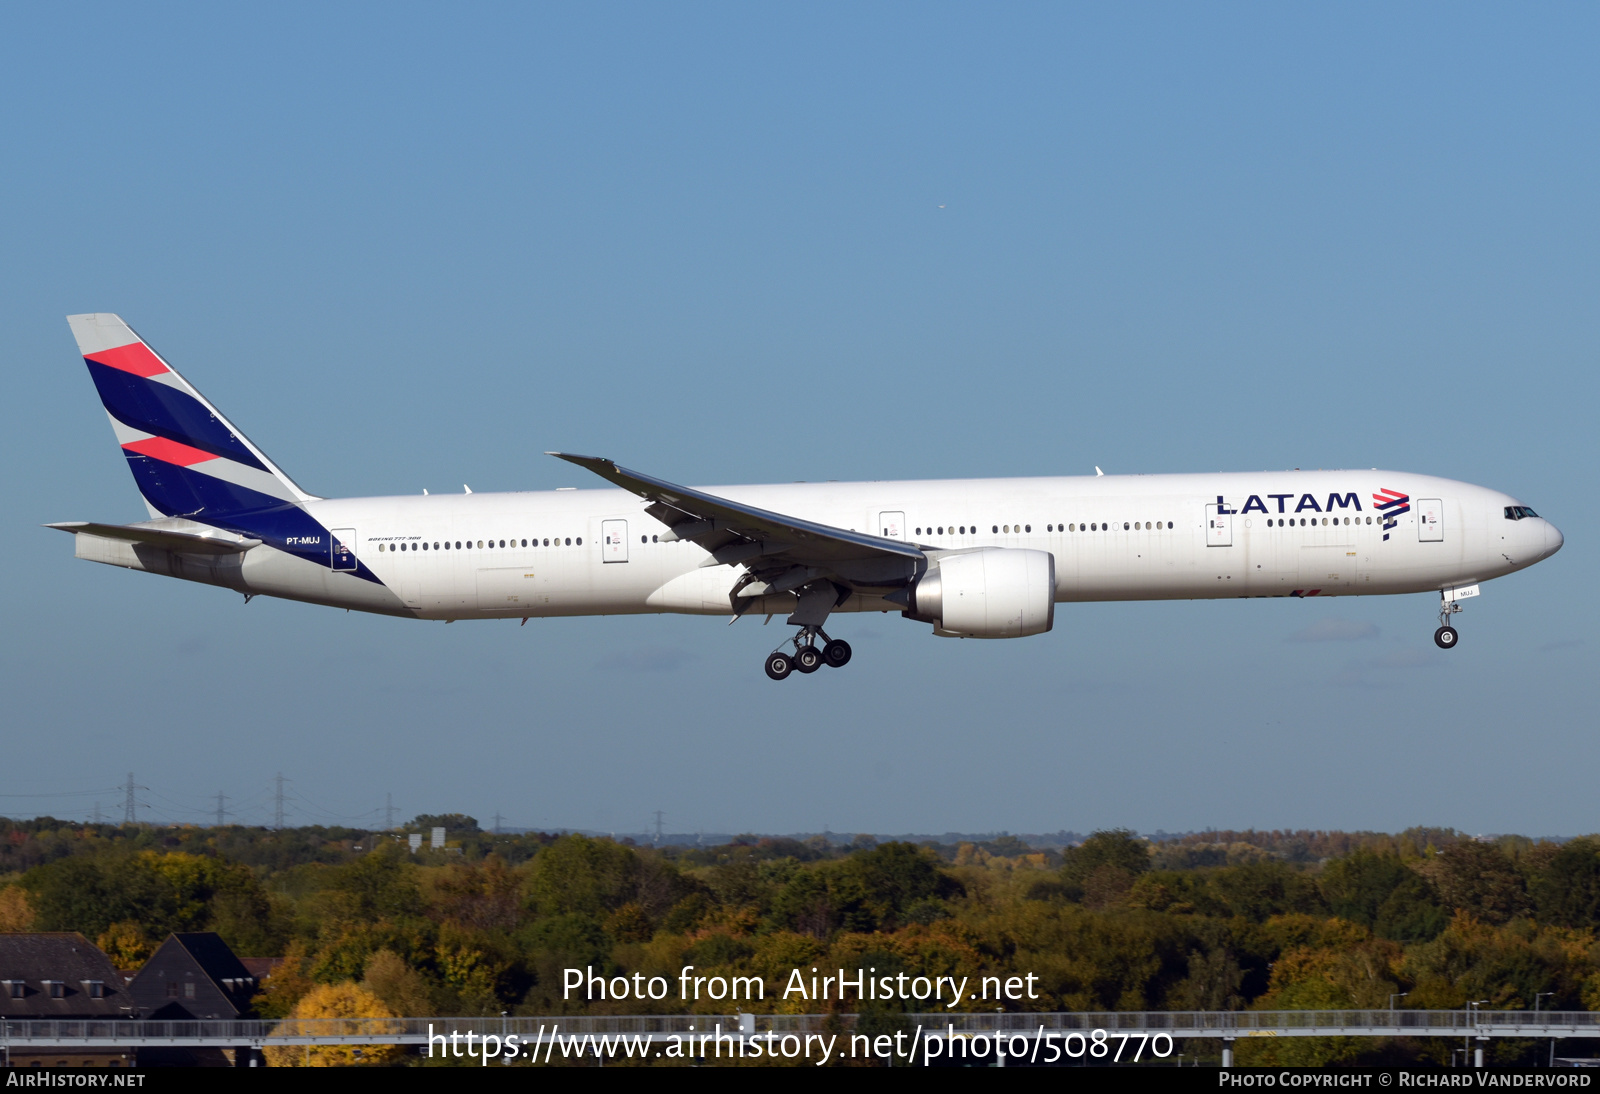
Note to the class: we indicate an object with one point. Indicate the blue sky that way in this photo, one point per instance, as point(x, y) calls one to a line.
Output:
point(417, 246)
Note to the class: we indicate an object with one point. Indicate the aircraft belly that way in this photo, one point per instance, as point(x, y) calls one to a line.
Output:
point(270, 572)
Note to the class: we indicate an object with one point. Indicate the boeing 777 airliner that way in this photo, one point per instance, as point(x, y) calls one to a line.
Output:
point(976, 558)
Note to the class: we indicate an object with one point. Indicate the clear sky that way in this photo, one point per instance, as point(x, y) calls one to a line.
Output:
point(416, 246)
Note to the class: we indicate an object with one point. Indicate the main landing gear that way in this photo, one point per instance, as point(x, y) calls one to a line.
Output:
point(1446, 637)
point(807, 658)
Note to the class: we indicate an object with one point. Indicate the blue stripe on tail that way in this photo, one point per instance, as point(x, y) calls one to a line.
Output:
point(167, 412)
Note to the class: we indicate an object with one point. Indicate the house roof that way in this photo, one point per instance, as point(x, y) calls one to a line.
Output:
point(195, 975)
point(213, 955)
point(37, 960)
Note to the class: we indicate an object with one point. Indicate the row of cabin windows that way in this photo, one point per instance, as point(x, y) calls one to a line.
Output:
point(1107, 526)
point(483, 544)
point(18, 989)
point(962, 530)
point(1017, 529)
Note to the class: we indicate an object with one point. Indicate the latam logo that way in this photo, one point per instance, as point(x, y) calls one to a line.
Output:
point(1391, 503)
point(1254, 504)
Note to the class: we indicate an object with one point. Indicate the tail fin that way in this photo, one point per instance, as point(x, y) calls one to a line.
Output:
point(187, 459)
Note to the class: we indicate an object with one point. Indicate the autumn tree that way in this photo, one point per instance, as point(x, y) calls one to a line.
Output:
point(16, 911)
point(345, 1000)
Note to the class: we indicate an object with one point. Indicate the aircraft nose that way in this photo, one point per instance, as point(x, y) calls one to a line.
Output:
point(1553, 539)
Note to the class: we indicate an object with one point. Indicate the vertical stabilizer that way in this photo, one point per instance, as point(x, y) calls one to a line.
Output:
point(187, 459)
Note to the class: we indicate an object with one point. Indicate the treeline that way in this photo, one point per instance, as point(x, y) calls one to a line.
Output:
point(1225, 921)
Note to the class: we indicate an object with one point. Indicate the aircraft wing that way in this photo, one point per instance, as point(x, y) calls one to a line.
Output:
point(158, 537)
point(784, 552)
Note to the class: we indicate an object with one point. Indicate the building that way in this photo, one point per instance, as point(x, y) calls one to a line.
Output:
point(61, 975)
point(192, 975)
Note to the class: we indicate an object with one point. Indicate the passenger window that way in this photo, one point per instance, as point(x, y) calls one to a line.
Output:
point(1028, 528)
point(580, 541)
point(655, 539)
point(1124, 526)
point(995, 529)
point(569, 543)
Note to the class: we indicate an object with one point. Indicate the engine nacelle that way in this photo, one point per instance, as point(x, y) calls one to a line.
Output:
point(994, 592)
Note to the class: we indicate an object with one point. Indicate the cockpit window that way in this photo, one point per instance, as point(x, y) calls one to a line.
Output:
point(1518, 512)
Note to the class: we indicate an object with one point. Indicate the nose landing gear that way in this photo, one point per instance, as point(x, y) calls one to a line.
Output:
point(807, 658)
point(1446, 637)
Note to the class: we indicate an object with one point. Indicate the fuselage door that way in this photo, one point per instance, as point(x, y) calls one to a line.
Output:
point(1219, 527)
point(1430, 520)
point(892, 525)
point(614, 541)
point(343, 550)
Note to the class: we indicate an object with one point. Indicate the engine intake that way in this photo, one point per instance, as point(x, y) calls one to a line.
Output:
point(993, 592)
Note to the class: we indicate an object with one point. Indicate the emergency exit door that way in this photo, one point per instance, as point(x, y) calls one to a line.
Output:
point(343, 547)
point(613, 541)
point(892, 525)
point(1430, 520)
point(1219, 527)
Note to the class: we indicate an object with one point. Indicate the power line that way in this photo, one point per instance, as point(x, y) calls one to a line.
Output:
point(129, 805)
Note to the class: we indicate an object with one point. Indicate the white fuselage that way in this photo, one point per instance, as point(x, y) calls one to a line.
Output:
point(1114, 537)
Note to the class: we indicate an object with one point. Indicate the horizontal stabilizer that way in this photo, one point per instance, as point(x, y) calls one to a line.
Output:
point(222, 544)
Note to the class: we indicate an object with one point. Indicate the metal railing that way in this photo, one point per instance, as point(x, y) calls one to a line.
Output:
point(30, 1033)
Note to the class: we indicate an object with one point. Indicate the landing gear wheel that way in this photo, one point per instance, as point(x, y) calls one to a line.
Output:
point(779, 666)
point(836, 653)
point(808, 659)
point(1445, 638)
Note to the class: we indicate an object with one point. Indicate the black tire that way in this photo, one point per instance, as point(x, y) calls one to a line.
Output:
point(1445, 638)
point(808, 659)
point(836, 653)
point(779, 666)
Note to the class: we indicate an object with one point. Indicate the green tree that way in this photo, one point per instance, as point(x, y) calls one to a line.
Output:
point(1479, 879)
point(1566, 892)
point(1102, 869)
point(1378, 890)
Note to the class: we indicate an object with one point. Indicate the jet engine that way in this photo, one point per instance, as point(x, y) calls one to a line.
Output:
point(993, 592)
